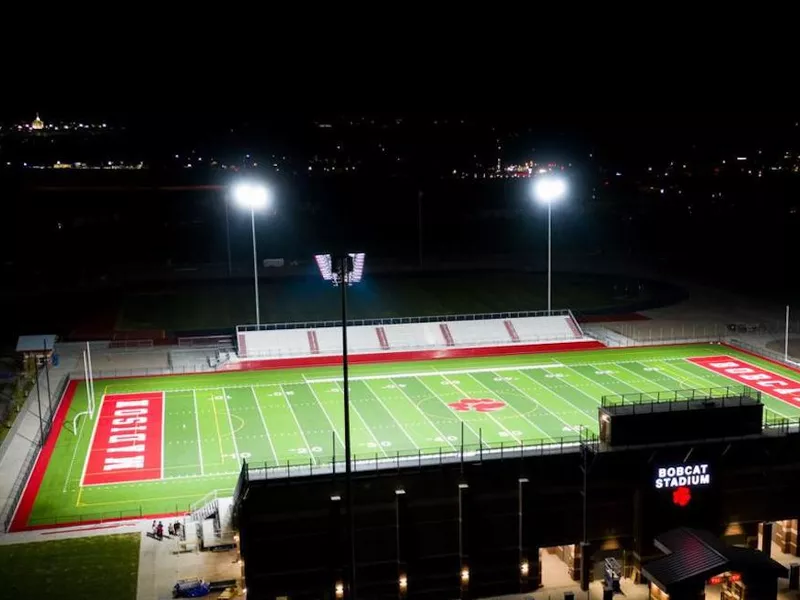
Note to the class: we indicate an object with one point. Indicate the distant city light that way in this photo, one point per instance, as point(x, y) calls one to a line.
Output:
point(741, 158)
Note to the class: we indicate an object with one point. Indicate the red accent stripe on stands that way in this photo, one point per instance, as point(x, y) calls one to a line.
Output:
point(313, 342)
point(242, 344)
point(448, 337)
point(412, 355)
point(574, 327)
point(25, 505)
point(384, 341)
point(512, 331)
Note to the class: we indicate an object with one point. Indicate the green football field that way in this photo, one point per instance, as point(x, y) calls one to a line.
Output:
point(212, 421)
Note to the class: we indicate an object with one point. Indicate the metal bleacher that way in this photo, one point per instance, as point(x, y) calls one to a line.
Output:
point(304, 339)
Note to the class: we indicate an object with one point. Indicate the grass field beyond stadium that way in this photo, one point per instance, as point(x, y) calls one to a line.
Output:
point(198, 428)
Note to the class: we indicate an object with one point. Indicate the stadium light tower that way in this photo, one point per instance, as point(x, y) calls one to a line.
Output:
point(549, 189)
point(254, 196)
point(344, 270)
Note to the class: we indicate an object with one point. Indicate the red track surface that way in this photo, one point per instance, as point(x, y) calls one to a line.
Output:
point(411, 355)
point(37, 474)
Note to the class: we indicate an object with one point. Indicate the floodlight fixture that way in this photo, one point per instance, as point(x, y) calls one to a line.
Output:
point(548, 189)
point(330, 272)
point(251, 195)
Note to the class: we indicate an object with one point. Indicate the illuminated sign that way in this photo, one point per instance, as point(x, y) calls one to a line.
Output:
point(691, 475)
point(681, 496)
point(730, 577)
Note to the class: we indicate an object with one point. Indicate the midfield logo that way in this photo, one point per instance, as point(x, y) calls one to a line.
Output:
point(477, 404)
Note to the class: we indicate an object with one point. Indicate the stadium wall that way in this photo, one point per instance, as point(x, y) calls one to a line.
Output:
point(293, 533)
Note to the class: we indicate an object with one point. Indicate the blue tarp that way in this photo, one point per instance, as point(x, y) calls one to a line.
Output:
point(190, 589)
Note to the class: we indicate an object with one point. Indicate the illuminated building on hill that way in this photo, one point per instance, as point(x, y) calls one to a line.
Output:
point(37, 124)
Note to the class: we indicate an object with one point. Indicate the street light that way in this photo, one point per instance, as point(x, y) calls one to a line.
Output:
point(547, 190)
point(254, 196)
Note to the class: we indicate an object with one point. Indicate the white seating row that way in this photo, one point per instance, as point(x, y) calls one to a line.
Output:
point(409, 336)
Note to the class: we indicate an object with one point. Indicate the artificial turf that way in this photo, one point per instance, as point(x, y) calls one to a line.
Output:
point(212, 421)
point(72, 569)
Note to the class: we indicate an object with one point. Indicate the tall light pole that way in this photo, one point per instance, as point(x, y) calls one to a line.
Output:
point(253, 196)
point(344, 270)
point(548, 189)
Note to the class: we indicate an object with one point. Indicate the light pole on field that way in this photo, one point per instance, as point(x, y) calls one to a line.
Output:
point(344, 270)
point(549, 189)
point(254, 196)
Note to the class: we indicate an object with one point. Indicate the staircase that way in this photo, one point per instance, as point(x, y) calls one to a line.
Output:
point(205, 511)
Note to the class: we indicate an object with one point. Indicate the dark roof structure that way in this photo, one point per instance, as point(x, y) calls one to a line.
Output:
point(36, 343)
point(694, 556)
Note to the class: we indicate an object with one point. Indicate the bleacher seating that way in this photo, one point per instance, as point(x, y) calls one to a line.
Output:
point(411, 336)
point(538, 329)
point(368, 339)
point(360, 339)
point(479, 333)
point(280, 342)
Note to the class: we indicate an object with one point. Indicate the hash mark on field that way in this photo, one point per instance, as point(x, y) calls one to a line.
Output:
point(197, 428)
point(324, 410)
point(399, 424)
point(300, 429)
point(367, 427)
point(415, 405)
point(466, 424)
point(264, 423)
point(434, 372)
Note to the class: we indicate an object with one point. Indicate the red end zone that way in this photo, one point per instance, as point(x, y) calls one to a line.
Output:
point(126, 443)
point(755, 377)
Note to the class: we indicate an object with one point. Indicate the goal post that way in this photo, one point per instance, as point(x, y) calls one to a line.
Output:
point(75, 421)
point(87, 378)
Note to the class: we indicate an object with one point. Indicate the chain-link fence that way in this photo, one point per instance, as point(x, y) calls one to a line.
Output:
point(40, 436)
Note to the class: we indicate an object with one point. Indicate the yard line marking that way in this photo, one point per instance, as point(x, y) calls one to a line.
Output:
point(358, 414)
point(491, 416)
point(557, 365)
point(415, 405)
point(400, 425)
point(264, 423)
point(597, 383)
point(466, 424)
point(529, 397)
point(91, 444)
point(650, 381)
point(592, 398)
point(434, 372)
point(197, 425)
point(230, 423)
point(219, 433)
point(74, 453)
point(324, 410)
point(300, 429)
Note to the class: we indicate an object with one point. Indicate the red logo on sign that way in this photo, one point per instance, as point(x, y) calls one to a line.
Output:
point(477, 404)
point(682, 496)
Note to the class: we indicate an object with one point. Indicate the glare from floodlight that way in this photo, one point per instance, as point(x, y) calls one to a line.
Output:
point(325, 264)
point(549, 189)
point(251, 195)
